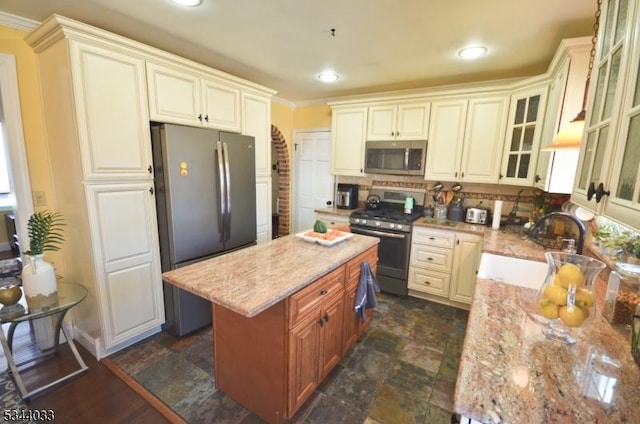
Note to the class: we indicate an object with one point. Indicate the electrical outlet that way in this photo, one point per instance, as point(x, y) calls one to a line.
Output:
point(39, 199)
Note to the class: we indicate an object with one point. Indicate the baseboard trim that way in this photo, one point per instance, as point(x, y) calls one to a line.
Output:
point(149, 397)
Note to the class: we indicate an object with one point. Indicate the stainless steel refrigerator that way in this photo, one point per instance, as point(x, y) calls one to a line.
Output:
point(206, 205)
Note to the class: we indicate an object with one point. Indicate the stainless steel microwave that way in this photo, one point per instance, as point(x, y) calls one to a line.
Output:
point(395, 157)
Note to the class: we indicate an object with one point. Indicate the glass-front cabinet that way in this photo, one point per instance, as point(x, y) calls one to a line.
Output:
point(523, 137)
point(605, 105)
point(623, 203)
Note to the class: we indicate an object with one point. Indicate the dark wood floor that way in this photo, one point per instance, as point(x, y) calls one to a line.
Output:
point(95, 396)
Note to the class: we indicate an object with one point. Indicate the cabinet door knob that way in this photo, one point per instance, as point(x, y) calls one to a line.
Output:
point(591, 190)
point(537, 178)
point(428, 283)
point(206, 118)
point(151, 190)
point(323, 292)
point(326, 317)
point(150, 169)
point(429, 259)
point(321, 322)
point(600, 192)
point(200, 117)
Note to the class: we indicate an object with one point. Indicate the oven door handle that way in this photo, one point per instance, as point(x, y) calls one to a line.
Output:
point(379, 233)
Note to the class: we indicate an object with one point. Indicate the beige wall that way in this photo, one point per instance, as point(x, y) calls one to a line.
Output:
point(12, 42)
point(312, 117)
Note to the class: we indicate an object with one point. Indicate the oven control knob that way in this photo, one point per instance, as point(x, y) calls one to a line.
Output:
point(392, 226)
point(378, 223)
point(363, 221)
point(356, 220)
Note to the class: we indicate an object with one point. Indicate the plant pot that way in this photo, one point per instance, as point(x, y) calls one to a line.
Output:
point(39, 283)
point(40, 291)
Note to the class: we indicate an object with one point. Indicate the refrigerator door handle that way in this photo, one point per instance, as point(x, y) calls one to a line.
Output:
point(228, 190)
point(223, 193)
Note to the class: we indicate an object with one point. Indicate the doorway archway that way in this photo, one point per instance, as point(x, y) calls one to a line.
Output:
point(284, 180)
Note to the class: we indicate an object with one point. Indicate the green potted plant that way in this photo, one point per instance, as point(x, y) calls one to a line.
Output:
point(631, 248)
point(44, 229)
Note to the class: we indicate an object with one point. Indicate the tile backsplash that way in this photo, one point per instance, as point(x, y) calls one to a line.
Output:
point(531, 200)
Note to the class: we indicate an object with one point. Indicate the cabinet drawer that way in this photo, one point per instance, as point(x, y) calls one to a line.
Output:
point(310, 299)
point(436, 238)
point(355, 264)
point(432, 258)
point(429, 281)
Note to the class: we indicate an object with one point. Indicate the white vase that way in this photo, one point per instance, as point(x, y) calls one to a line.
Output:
point(39, 282)
point(40, 290)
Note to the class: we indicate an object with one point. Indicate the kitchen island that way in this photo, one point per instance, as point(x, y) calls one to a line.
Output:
point(283, 317)
point(510, 373)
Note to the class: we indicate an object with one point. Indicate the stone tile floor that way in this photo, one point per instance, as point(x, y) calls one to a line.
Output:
point(403, 371)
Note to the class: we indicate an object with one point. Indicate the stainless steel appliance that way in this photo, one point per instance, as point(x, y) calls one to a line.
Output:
point(389, 222)
point(476, 216)
point(347, 196)
point(395, 157)
point(206, 206)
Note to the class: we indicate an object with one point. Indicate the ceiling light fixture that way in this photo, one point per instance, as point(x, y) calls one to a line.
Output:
point(190, 3)
point(472, 52)
point(328, 77)
point(570, 135)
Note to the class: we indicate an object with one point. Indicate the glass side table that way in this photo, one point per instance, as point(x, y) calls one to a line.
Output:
point(69, 295)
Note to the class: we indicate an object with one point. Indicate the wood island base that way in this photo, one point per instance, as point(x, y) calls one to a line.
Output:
point(271, 363)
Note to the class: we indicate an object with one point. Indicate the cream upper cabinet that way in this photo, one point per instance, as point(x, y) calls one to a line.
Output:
point(348, 133)
point(113, 125)
point(555, 171)
point(180, 96)
point(466, 139)
point(404, 121)
point(623, 202)
point(444, 149)
point(522, 143)
point(602, 184)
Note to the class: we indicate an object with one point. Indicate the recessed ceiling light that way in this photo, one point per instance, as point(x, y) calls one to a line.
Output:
point(188, 2)
point(472, 52)
point(328, 77)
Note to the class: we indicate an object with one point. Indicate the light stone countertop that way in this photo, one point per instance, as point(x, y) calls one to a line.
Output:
point(250, 280)
point(510, 373)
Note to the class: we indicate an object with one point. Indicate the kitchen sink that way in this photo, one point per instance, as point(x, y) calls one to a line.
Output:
point(515, 271)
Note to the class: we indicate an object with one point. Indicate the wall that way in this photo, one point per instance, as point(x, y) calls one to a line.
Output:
point(282, 118)
point(12, 42)
point(306, 117)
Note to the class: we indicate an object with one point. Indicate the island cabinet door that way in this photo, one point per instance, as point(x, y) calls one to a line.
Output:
point(304, 341)
point(353, 325)
point(331, 329)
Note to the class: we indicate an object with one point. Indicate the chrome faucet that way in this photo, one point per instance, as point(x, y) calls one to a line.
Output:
point(535, 233)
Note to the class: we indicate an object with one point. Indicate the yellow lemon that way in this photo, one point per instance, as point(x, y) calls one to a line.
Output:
point(570, 275)
point(572, 316)
point(555, 294)
point(584, 298)
point(548, 309)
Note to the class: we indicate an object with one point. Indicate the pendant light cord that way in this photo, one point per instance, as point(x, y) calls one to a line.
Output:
point(592, 56)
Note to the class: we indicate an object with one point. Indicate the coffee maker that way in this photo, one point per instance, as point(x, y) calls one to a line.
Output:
point(347, 196)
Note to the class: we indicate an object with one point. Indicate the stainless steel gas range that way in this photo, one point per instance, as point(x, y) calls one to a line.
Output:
point(389, 220)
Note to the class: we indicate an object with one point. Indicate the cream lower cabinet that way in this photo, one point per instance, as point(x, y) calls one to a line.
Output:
point(181, 96)
point(443, 265)
point(333, 220)
point(126, 257)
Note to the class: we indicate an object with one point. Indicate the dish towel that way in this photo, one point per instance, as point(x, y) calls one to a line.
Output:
point(367, 288)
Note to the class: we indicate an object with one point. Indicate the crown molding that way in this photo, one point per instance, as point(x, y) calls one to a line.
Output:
point(17, 22)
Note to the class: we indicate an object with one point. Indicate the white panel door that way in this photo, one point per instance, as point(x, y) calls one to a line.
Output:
point(113, 118)
point(313, 180)
point(127, 259)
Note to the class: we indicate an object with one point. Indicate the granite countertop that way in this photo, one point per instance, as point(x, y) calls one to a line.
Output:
point(509, 372)
point(250, 280)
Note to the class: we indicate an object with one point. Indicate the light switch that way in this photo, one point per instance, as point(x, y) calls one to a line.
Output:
point(39, 198)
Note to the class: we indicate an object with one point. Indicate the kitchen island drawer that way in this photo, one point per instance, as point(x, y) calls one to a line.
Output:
point(429, 281)
point(310, 299)
point(432, 258)
point(435, 238)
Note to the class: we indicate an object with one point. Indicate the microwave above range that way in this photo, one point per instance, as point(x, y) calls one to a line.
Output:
point(395, 157)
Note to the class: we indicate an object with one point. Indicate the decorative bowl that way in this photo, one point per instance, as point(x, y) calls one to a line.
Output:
point(10, 292)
